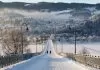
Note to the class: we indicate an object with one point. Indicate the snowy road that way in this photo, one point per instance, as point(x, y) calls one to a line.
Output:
point(48, 60)
point(48, 63)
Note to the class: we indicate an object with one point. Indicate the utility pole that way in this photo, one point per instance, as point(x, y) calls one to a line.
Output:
point(22, 39)
point(42, 42)
point(22, 34)
point(75, 40)
point(55, 36)
point(62, 47)
point(42, 45)
point(36, 44)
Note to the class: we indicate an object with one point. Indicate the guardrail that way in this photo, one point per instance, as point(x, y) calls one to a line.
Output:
point(12, 59)
point(86, 59)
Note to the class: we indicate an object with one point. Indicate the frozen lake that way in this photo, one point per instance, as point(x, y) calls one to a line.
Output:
point(93, 48)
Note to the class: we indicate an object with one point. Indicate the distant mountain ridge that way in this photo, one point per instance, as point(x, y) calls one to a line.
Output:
point(46, 5)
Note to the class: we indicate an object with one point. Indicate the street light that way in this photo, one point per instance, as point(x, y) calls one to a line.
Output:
point(62, 45)
point(36, 44)
point(27, 29)
point(75, 40)
point(74, 37)
point(55, 35)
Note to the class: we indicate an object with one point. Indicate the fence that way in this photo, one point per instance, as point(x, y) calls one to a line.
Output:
point(89, 60)
point(12, 59)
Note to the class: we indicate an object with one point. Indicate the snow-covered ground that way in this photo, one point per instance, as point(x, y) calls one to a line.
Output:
point(46, 63)
point(48, 60)
point(69, 48)
point(92, 48)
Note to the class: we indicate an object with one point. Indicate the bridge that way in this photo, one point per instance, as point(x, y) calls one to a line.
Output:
point(48, 60)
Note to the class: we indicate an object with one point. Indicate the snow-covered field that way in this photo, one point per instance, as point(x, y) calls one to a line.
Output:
point(93, 48)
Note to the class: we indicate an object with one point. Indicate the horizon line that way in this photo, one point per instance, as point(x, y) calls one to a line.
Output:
point(48, 2)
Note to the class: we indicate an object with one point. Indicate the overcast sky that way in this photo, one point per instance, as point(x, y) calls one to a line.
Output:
point(67, 1)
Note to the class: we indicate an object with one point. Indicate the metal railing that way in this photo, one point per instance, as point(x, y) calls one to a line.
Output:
point(15, 58)
point(86, 59)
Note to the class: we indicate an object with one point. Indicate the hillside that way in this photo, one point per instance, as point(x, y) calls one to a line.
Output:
point(41, 6)
point(46, 18)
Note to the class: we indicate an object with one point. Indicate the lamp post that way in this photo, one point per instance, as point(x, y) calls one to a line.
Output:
point(75, 40)
point(22, 40)
point(75, 43)
point(55, 36)
point(36, 44)
point(42, 44)
point(62, 46)
point(22, 32)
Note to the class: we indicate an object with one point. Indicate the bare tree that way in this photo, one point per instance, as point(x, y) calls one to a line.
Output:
point(84, 51)
point(14, 41)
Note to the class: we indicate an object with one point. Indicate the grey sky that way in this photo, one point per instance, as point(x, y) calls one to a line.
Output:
point(67, 1)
